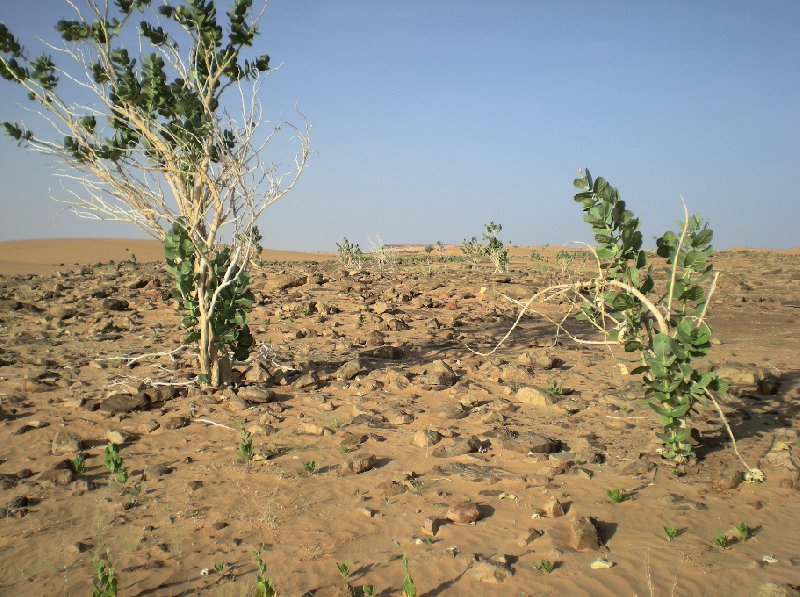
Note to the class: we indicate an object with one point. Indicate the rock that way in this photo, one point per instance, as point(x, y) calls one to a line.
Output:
point(256, 394)
point(426, 437)
point(172, 423)
point(727, 479)
point(400, 418)
point(453, 412)
point(118, 437)
point(350, 369)
point(459, 447)
point(391, 488)
point(536, 397)
point(472, 472)
point(314, 429)
point(381, 307)
point(154, 471)
point(583, 534)
point(111, 304)
point(463, 513)
point(438, 375)
point(283, 282)
point(359, 464)
point(528, 442)
point(552, 508)
point(771, 589)
point(66, 442)
point(539, 358)
point(148, 426)
point(750, 377)
point(489, 572)
point(430, 526)
point(60, 476)
point(638, 467)
point(528, 537)
point(387, 353)
point(123, 403)
point(307, 381)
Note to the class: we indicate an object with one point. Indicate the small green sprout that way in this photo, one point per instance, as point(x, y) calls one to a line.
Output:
point(246, 450)
point(78, 465)
point(721, 540)
point(106, 585)
point(545, 566)
point(344, 569)
point(743, 530)
point(113, 462)
point(368, 590)
point(409, 588)
point(310, 466)
point(672, 532)
point(264, 586)
point(616, 495)
point(555, 388)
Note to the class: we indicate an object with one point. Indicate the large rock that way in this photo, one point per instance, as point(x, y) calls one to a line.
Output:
point(426, 437)
point(583, 534)
point(463, 513)
point(540, 358)
point(350, 369)
point(528, 442)
point(438, 375)
point(360, 463)
point(536, 397)
point(123, 403)
point(489, 572)
point(461, 446)
point(66, 442)
point(282, 282)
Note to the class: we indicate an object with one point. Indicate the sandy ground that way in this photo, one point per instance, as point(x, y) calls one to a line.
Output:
point(372, 371)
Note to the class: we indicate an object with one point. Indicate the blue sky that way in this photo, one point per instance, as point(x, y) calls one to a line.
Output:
point(431, 118)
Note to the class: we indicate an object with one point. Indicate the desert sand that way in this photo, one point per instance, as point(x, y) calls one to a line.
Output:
point(373, 381)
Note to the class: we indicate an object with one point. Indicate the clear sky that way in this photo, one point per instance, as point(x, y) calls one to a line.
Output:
point(432, 117)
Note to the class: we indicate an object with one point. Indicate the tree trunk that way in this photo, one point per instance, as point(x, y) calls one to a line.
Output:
point(215, 363)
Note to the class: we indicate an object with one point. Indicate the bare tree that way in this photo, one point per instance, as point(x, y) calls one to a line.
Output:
point(173, 142)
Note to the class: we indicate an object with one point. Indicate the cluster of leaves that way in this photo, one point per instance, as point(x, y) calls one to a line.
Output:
point(181, 105)
point(113, 462)
point(106, 585)
point(229, 319)
point(350, 254)
point(264, 585)
point(246, 449)
point(668, 331)
point(491, 247)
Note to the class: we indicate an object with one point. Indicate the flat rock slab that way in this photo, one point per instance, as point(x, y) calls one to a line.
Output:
point(472, 472)
point(123, 403)
point(489, 572)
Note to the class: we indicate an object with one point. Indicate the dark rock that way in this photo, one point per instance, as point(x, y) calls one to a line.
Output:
point(123, 403)
point(111, 304)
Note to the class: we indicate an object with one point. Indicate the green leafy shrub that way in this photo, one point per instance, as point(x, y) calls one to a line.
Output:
point(350, 255)
point(667, 330)
point(113, 462)
point(264, 586)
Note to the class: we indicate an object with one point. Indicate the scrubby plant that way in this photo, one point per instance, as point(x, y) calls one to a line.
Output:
point(721, 540)
point(491, 247)
point(349, 254)
point(264, 586)
point(310, 466)
point(368, 591)
point(383, 257)
point(671, 532)
point(545, 566)
point(106, 583)
point(555, 388)
point(113, 462)
point(137, 109)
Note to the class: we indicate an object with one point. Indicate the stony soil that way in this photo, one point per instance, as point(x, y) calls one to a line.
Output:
point(467, 463)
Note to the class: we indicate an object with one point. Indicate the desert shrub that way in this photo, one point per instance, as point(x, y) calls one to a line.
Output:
point(491, 248)
point(350, 255)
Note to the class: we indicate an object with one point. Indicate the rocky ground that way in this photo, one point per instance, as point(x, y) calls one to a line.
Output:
point(377, 431)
